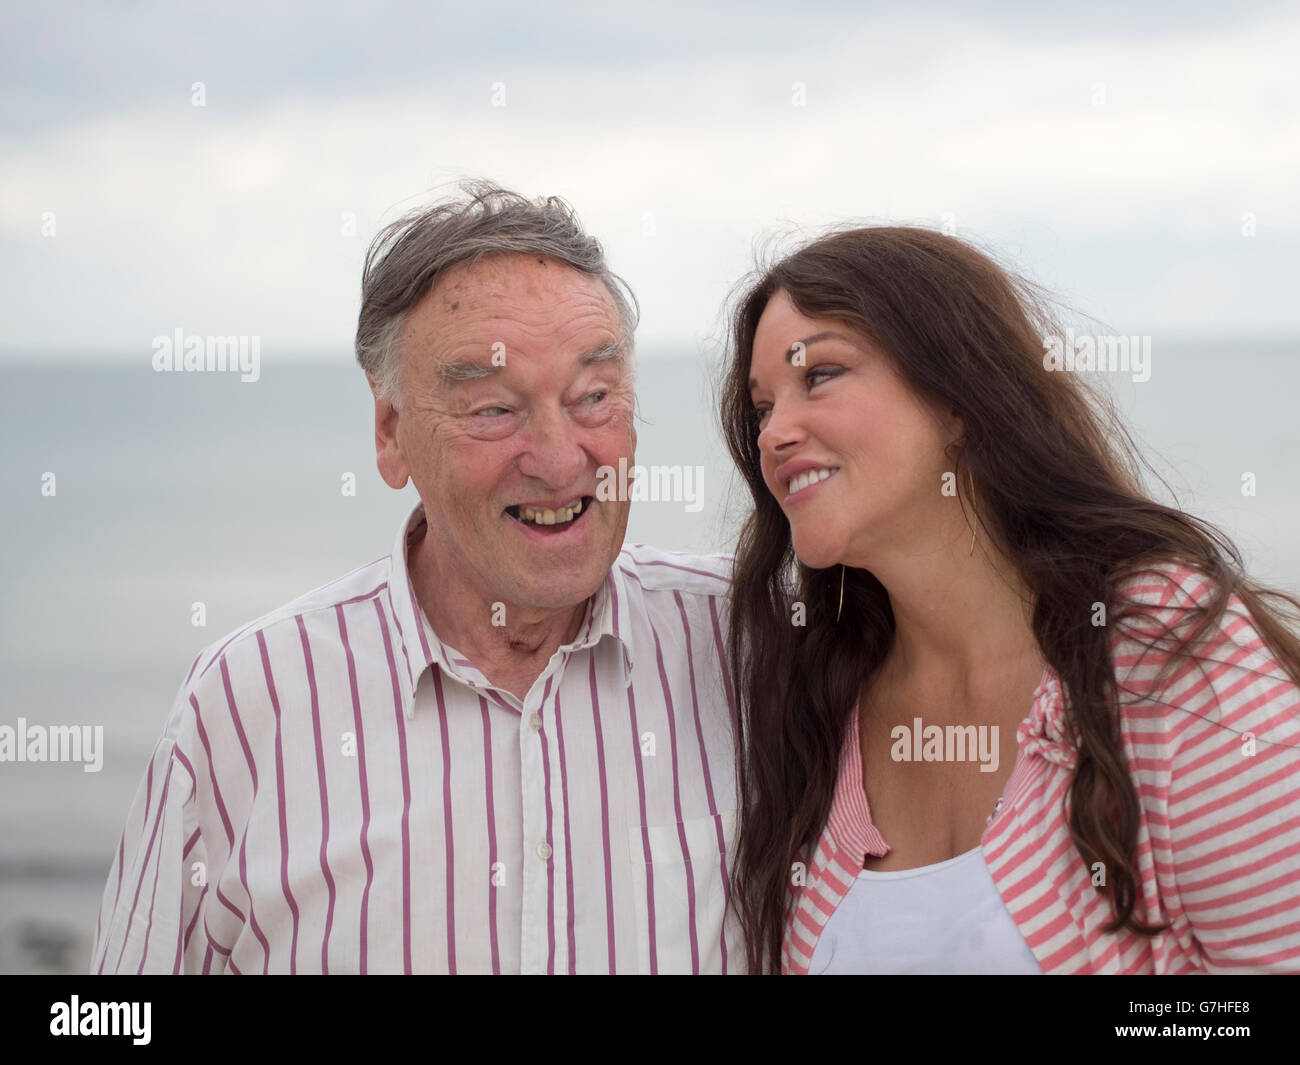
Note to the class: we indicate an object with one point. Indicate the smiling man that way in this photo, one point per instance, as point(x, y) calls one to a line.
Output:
point(507, 746)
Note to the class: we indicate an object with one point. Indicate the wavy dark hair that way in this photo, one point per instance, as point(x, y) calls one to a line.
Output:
point(1057, 490)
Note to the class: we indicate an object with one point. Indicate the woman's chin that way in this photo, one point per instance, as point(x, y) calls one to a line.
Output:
point(816, 556)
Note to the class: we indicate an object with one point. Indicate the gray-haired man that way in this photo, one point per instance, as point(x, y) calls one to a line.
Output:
point(506, 747)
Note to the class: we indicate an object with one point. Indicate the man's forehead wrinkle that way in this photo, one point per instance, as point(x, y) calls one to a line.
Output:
point(511, 301)
point(504, 275)
point(587, 329)
point(467, 363)
point(498, 310)
point(454, 371)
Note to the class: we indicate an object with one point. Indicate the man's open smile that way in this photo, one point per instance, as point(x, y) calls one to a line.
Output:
point(549, 521)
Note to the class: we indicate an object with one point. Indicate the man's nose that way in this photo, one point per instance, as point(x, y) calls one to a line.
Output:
point(553, 451)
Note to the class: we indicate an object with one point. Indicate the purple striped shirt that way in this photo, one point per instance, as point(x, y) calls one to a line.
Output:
point(336, 790)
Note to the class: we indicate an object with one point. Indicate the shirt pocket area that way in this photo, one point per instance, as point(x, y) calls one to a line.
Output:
point(681, 895)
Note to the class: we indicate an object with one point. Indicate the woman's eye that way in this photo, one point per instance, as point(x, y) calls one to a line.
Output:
point(822, 373)
point(758, 414)
point(594, 397)
point(490, 410)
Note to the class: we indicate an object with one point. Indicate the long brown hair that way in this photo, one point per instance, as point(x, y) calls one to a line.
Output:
point(1057, 490)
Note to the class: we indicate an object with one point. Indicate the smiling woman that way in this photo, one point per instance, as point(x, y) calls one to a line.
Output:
point(1137, 800)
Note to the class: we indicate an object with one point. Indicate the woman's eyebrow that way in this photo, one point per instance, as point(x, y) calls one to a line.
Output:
point(807, 342)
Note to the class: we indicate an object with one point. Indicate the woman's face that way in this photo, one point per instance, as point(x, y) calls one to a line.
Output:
point(854, 457)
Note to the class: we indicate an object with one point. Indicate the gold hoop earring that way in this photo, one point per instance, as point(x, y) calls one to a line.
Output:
point(971, 481)
point(841, 607)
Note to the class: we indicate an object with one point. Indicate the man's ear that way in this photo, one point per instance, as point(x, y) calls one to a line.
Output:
point(388, 451)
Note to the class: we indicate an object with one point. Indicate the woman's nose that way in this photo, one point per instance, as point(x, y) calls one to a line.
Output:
point(780, 430)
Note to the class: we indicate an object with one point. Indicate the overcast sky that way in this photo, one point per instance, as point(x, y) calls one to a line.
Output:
point(1143, 165)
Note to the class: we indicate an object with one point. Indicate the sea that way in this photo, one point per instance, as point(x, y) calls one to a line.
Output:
point(132, 497)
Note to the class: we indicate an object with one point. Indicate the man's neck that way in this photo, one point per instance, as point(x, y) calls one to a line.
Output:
point(509, 644)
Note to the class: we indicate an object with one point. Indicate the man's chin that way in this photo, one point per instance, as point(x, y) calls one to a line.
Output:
point(555, 592)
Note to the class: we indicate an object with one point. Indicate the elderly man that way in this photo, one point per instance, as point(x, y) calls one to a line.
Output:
point(507, 747)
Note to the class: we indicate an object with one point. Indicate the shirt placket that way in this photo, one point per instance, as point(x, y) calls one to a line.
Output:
point(542, 948)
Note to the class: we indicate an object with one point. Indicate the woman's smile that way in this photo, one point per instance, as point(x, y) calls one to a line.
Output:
point(802, 485)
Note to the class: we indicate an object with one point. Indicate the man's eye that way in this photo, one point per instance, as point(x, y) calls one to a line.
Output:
point(489, 410)
point(594, 397)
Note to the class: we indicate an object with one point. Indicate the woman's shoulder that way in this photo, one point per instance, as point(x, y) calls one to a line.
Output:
point(1168, 604)
point(1181, 666)
point(1165, 586)
point(1212, 739)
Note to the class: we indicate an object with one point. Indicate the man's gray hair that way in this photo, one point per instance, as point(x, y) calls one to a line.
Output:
point(408, 256)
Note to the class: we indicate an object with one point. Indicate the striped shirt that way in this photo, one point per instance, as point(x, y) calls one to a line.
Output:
point(337, 790)
point(1214, 754)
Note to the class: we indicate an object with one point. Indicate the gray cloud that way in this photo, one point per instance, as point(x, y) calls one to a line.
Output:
point(227, 219)
point(72, 62)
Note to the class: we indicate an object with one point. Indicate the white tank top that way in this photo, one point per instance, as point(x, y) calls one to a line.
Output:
point(943, 918)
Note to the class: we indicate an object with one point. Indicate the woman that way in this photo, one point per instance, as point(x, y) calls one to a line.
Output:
point(1001, 711)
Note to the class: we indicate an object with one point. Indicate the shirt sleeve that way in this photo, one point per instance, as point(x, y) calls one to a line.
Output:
point(156, 886)
point(1234, 800)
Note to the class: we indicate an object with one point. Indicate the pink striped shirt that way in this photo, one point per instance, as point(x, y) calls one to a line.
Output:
point(336, 790)
point(1219, 832)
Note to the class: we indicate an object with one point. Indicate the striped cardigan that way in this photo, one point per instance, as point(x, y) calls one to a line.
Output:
point(1215, 757)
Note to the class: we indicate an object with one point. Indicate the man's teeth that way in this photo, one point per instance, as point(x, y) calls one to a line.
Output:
point(551, 517)
point(808, 477)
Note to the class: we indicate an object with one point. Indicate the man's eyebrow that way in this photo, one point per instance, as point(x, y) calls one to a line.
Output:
point(807, 342)
point(456, 370)
point(603, 353)
point(453, 370)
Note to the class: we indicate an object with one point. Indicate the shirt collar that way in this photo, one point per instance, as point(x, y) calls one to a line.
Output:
point(418, 646)
point(1046, 731)
point(609, 614)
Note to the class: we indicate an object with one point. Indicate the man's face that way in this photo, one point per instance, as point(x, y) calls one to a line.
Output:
point(507, 410)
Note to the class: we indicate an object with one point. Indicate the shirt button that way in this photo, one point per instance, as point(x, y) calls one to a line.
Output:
point(543, 850)
point(536, 721)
